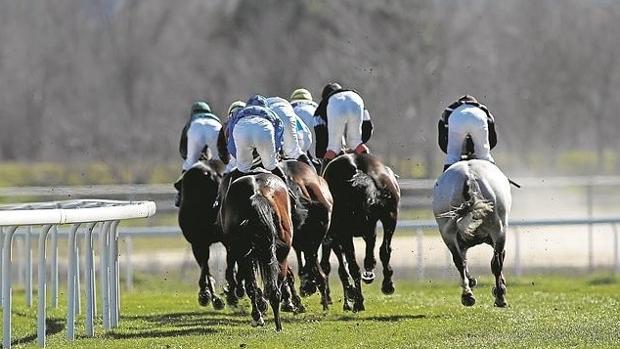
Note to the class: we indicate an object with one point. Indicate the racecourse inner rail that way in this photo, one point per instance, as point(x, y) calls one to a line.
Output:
point(106, 214)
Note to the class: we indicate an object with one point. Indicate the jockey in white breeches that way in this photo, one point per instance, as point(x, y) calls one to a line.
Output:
point(203, 131)
point(229, 159)
point(255, 127)
point(200, 132)
point(467, 117)
point(283, 109)
point(341, 110)
point(304, 107)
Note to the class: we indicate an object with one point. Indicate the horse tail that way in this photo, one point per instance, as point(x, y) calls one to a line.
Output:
point(365, 189)
point(264, 234)
point(472, 212)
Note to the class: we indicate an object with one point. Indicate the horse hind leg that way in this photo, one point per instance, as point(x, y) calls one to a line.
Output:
point(325, 265)
point(202, 257)
point(385, 254)
point(368, 276)
point(499, 290)
point(321, 281)
point(348, 290)
point(459, 257)
point(354, 270)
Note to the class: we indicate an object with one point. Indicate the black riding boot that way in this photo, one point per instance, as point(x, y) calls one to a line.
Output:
point(278, 172)
point(178, 186)
point(445, 167)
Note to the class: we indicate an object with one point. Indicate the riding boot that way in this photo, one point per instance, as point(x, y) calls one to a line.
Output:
point(278, 172)
point(178, 186)
point(445, 167)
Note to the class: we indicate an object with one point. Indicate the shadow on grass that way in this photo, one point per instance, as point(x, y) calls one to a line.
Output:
point(380, 318)
point(52, 326)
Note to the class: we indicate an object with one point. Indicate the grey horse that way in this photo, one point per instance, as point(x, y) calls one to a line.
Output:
point(471, 203)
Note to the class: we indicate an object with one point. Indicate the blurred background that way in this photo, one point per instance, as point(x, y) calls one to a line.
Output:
point(97, 92)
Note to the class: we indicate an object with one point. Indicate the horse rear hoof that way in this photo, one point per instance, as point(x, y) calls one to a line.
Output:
point(258, 322)
point(204, 298)
point(368, 276)
point(287, 307)
point(468, 300)
point(218, 303)
point(387, 288)
point(262, 305)
point(501, 303)
point(359, 306)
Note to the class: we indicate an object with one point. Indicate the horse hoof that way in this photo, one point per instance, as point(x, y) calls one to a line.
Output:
point(258, 322)
point(387, 288)
point(262, 305)
point(358, 306)
point(300, 309)
point(307, 289)
point(468, 300)
point(368, 276)
point(218, 303)
point(501, 303)
point(239, 292)
point(287, 307)
point(473, 282)
point(204, 298)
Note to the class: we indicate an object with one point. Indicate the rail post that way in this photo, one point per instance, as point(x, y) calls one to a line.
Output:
point(71, 283)
point(1, 259)
point(6, 286)
point(41, 314)
point(616, 271)
point(54, 267)
point(28, 271)
point(420, 259)
point(90, 281)
point(590, 232)
point(128, 266)
point(517, 235)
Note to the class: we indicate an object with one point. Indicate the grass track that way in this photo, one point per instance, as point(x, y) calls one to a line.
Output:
point(544, 312)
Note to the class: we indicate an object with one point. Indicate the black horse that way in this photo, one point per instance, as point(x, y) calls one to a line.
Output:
point(365, 191)
point(311, 213)
point(258, 233)
point(197, 219)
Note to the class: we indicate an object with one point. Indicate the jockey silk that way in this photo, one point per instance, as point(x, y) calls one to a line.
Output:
point(283, 109)
point(466, 120)
point(345, 110)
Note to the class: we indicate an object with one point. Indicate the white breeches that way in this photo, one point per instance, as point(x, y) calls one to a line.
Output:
point(304, 136)
point(306, 113)
point(345, 110)
point(285, 112)
point(254, 132)
point(468, 120)
point(201, 133)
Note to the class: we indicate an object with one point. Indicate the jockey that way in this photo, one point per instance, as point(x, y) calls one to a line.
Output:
point(290, 121)
point(255, 127)
point(341, 109)
point(199, 133)
point(304, 107)
point(466, 117)
point(229, 160)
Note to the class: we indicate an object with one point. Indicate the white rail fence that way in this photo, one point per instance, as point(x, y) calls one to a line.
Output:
point(106, 214)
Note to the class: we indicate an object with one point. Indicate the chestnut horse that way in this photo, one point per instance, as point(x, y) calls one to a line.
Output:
point(258, 233)
point(312, 211)
point(365, 191)
point(197, 219)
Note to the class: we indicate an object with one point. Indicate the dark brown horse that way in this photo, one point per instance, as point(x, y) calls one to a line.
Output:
point(258, 234)
point(197, 219)
point(365, 191)
point(311, 213)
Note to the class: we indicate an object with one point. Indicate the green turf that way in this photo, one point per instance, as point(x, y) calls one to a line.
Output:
point(543, 312)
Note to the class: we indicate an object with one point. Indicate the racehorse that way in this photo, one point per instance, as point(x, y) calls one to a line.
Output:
point(311, 213)
point(365, 191)
point(258, 233)
point(471, 203)
point(197, 219)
